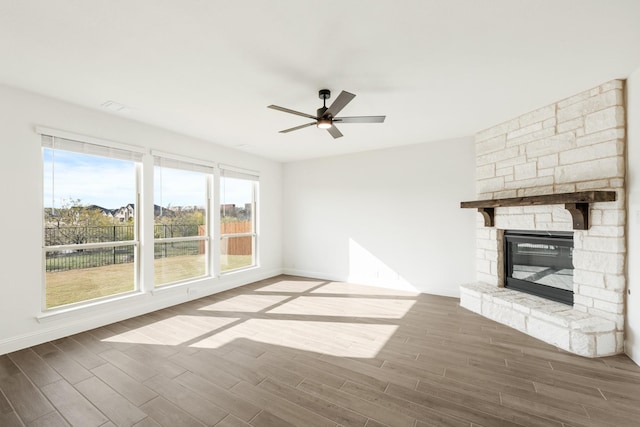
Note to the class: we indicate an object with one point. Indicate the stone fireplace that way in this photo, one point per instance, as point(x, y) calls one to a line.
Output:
point(572, 146)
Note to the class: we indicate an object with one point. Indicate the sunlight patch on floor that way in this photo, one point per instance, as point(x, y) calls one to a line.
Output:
point(175, 330)
point(245, 303)
point(324, 337)
point(338, 319)
point(291, 286)
point(385, 308)
point(341, 288)
point(332, 338)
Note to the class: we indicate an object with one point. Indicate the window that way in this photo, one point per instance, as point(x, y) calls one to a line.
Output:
point(90, 226)
point(97, 226)
point(182, 198)
point(237, 220)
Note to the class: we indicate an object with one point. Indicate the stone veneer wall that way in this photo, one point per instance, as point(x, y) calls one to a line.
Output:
point(576, 144)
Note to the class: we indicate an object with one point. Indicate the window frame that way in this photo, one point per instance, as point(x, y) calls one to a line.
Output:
point(254, 178)
point(208, 169)
point(144, 220)
point(68, 140)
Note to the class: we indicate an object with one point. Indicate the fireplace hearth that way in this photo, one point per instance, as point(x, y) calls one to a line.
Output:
point(540, 264)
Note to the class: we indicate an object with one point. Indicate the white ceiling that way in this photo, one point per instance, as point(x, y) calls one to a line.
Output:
point(438, 69)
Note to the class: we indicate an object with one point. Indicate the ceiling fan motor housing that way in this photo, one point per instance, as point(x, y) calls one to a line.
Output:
point(321, 111)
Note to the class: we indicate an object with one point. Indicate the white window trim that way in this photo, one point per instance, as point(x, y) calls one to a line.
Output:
point(89, 306)
point(143, 230)
point(254, 233)
point(209, 170)
point(46, 312)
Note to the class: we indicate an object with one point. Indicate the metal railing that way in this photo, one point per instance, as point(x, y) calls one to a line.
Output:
point(70, 258)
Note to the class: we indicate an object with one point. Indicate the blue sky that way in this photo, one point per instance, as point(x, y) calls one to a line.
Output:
point(110, 183)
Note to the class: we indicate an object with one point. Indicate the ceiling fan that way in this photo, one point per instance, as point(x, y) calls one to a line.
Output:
point(325, 118)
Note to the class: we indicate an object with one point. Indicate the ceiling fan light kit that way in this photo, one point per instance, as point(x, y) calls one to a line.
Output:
point(325, 118)
point(324, 123)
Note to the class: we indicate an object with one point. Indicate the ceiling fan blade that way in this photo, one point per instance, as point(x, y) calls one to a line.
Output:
point(297, 113)
point(341, 101)
point(334, 132)
point(297, 127)
point(360, 119)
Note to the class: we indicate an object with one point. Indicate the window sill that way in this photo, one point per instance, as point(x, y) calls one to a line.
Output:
point(181, 286)
point(238, 270)
point(67, 312)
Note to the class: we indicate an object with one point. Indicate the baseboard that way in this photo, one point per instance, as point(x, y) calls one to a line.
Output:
point(313, 274)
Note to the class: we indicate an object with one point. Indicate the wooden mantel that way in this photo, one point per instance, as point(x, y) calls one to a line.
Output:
point(576, 203)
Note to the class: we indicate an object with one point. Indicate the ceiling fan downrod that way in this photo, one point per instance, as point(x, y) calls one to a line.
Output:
point(324, 94)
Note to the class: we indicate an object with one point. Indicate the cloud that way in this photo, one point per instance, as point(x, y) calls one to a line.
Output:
point(109, 183)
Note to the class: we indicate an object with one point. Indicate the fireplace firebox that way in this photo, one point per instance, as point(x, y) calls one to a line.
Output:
point(540, 263)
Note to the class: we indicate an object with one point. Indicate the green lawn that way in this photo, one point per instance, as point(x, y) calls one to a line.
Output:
point(67, 287)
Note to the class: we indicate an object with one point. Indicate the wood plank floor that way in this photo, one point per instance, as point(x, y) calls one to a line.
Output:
point(290, 351)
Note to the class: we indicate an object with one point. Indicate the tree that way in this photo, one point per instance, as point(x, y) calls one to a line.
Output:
point(179, 222)
point(75, 223)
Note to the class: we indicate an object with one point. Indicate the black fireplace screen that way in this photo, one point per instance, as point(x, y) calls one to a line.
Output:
point(540, 263)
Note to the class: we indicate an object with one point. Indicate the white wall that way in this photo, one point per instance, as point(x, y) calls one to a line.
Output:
point(21, 217)
point(632, 341)
point(390, 217)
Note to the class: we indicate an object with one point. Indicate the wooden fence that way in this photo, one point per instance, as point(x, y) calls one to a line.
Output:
point(241, 245)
